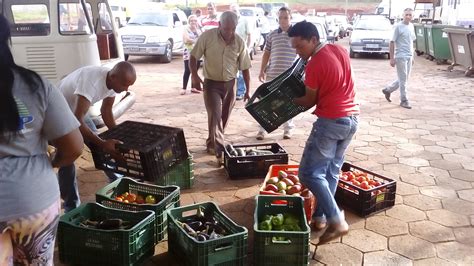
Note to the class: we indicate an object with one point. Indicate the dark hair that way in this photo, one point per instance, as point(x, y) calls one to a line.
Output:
point(9, 116)
point(284, 9)
point(305, 30)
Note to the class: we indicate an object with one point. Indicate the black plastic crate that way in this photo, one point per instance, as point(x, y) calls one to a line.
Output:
point(166, 197)
point(149, 150)
point(254, 166)
point(272, 103)
point(227, 250)
point(365, 202)
point(79, 245)
point(294, 248)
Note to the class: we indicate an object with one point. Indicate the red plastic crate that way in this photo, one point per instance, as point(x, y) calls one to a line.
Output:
point(309, 202)
point(365, 202)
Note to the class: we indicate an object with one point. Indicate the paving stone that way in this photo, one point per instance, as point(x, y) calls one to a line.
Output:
point(406, 189)
point(439, 149)
point(467, 194)
point(338, 254)
point(452, 183)
point(422, 202)
point(429, 127)
point(403, 125)
point(405, 213)
point(437, 122)
point(386, 226)
point(367, 150)
point(448, 218)
point(433, 261)
point(462, 174)
point(431, 231)
point(457, 158)
point(450, 144)
point(434, 172)
point(248, 192)
point(365, 240)
point(458, 205)
point(468, 166)
point(446, 165)
point(411, 247)
point(417, 131)
point(438, 192)
point(430, 156)
point(413, 161)
point(385, 258)
point(465, 235)
point(418, 179)
point(399, 169)
point(395, 140)
point(456, 252)
point(368, 138)
point(354, 220)
point(411, 147)
point(466, 152)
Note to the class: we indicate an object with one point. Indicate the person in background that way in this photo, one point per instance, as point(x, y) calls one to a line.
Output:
point(329, 86)
point(32, 113)
point(401, 56)
point(242, 30)
point(198, 14)
point(224, 55)
point(264, 28)
point(210, 21)
point(277, 58)
point(83, 88)
point(190, 36)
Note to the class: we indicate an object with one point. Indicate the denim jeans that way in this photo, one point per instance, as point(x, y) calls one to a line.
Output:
point(403, 66)
point(321, 162)
point(68, 180)
point(241, 89)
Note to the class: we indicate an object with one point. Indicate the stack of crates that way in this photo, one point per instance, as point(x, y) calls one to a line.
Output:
point(153, 153)
point(280, 247)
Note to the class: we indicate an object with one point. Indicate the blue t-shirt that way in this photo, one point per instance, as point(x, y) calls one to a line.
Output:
point(403, 36)
point(28, 183)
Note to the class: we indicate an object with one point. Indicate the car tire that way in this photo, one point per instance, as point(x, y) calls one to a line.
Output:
point(168, 56)
point(351, 54)
point(388, 56)
point(126, 57)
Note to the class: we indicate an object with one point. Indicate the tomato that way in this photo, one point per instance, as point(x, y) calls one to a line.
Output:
point(131, 197)
point(119, 198)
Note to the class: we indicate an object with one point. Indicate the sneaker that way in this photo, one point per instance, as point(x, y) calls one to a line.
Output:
point(287, 134)
point(260, 135)
point(387, 95)
point(405, 104)
point(239, 97)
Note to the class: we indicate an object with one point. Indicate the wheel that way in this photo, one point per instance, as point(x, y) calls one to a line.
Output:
point(126, 57)
point(168, 56)
point(388, 56)
point(351, 54)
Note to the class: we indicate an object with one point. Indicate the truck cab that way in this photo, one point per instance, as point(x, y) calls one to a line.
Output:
point(56, 37)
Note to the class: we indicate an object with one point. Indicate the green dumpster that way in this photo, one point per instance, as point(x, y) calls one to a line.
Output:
point(421, 42)
point(461, 44)
point(437, 44)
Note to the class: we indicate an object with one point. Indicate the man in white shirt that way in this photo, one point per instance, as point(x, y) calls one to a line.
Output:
point(83, 88)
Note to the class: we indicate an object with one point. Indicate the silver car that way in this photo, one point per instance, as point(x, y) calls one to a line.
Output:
point(371, 35)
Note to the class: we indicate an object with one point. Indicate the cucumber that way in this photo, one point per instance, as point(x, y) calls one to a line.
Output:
point(240, 152)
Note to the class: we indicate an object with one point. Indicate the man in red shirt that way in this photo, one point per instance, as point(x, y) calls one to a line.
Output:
point(211, 21)
point(329, 86)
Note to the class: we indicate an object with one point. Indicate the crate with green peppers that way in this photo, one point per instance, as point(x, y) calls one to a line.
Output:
point(281, 231)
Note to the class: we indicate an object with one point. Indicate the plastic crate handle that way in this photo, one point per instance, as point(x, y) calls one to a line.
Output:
point(284, 242)
point(224, 247)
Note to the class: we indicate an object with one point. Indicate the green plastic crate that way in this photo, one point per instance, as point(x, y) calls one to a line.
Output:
point(228, 250)
point(181, 175)
point(166, 198)
point(86, 246)
point(268, 251)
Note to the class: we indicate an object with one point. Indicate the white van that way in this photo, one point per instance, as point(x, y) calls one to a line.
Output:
point(56, 37)
point(119, 12)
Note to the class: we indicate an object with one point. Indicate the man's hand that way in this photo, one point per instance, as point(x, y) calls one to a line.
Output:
point(197, 81)
point(109, 147)
point(247, 96)
point(262, 76)
point(392, 62)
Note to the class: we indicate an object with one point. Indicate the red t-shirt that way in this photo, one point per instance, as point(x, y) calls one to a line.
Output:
point(329, 71)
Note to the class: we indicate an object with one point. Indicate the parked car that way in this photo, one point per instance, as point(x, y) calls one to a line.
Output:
point(119, 12)
point(320, 24)
point(333, 28)
point(253, 15)
point(371, 35)
point(343, 23)
point(154, 32)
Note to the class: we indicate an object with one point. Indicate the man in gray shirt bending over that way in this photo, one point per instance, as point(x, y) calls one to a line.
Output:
point(401, 56)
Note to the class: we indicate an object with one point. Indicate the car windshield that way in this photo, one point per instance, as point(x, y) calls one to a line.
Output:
point(246, 12)
point(157, 19)
point(373, 24)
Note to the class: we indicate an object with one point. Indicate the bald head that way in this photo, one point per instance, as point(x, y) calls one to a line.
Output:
point(121, 76)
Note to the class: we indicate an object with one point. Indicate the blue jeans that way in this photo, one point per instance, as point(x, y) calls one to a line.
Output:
point(403, 66)
point(241, 89)
point(68, 180)
point(321, 162)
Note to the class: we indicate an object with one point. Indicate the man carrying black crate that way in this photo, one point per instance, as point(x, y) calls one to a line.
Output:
point(225, 54)
point(82, 88)
point(329, 86)
point(278, 57)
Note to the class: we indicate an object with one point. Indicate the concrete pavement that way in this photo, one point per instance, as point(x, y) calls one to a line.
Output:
point(429, 150)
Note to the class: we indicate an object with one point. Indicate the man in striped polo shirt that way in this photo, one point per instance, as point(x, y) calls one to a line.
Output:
point(278, 57)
